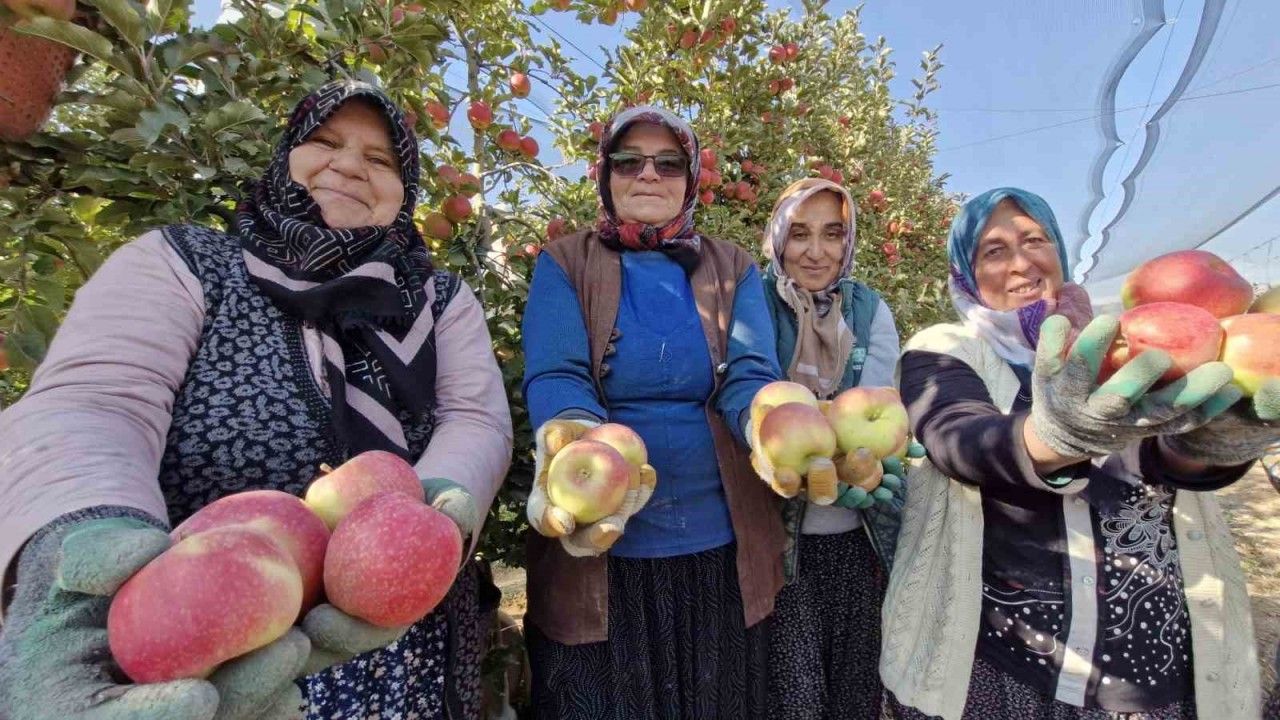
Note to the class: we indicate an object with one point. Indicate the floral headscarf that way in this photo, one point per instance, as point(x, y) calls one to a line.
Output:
point(364, 288)
point(1013, 334)
point(677, 238)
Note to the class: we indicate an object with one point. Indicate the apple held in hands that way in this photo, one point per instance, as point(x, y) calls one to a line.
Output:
point(1194, 277)
point(623, 439)
point(588, 479)
point(284, 518)
point(1252, 349)
point(391, 560)
point(795, 434)
point(869, 417)
point(338, 491)
point(211, 597)
point(860, 468)
point(778, 393)
point(1190, 334)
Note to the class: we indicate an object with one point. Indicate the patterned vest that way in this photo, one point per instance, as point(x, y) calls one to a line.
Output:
point(249, 414)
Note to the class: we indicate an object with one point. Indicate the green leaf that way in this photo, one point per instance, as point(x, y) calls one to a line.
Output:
point(157, 11)
point(125, 17)
point(152, 122)
point(28, 347)
point(54, 295)
point(228, 116)
point(75, 37)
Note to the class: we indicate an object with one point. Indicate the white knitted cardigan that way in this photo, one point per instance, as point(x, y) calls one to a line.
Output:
point(932, 607)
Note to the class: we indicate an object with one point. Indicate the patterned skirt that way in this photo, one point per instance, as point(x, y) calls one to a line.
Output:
point(678, 648)
point(432, 670)
point(824, 655)
point(994, 694)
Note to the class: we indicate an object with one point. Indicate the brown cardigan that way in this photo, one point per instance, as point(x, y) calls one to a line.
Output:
point(568, 596)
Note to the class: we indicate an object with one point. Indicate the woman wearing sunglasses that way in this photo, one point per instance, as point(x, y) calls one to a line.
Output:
point(657, 611)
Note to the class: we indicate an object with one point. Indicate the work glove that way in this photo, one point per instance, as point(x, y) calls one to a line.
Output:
point(1239, 435)
point(456, 502)
point(1076, 418)
point(551, 521)
point(893, 473)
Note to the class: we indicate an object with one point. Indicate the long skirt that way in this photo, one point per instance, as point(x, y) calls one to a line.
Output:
point(824, 654)
point(678, 648)
point(995, 694)
point(433, 671)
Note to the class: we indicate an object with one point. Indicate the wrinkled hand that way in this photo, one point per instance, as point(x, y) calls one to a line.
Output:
point(551, 521)
point(1076, 418)
point(1239, 435)
point(54, 656)
point(455, 501)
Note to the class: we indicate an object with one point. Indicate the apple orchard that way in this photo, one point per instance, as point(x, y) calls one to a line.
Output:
point(162, 123)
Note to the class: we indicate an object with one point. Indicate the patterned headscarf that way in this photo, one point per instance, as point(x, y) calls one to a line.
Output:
point(364, 288)
point(677, 238)
point(1012, 333)
point(824, 339)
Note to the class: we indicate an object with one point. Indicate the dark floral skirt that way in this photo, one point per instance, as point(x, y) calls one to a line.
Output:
point(994, 694)
point(678, 648)
point(433, 670)
point(824, 656)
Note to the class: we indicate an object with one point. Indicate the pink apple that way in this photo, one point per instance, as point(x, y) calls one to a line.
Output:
point(777, 393)
point(1194, 277)
point(794, 434)
point(283, 517)
point(211, 597)
point(1190, 335)
point(623, 439)
point(391, 560)
point(869, 417)
point(337, 492)
point(588, 479)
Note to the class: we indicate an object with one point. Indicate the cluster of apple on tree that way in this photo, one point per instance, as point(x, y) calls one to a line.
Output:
point(1194, 306)
point(245, 568)
point(811, 444)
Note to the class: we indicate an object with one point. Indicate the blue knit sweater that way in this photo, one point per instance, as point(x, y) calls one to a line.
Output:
point(658, 383)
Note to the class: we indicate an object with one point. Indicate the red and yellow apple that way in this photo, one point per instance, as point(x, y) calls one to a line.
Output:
point(1252, 348)
point(211, 597)
point(794, 434)
point(779, 393)
point(509, 140)
point(391, 560)
point(284, 518)
point(1190, 335)
point(479, 114)
point(626, 441)
point(860, 468)
point(338, 491)
point(869, 417)
point(1194, 277)
point(1267, 302)
point(588, 479)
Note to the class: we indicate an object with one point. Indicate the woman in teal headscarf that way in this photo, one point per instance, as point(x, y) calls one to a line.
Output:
point(1040, 572)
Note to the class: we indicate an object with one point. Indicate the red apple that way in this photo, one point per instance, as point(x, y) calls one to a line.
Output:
point(795, 434)
point(338, 491)
point(556, 228)
point(596, 130)
point(529, 146)
point(588, 479)
point(706, 197)
point(876, 198)
point(1194, 277)
point(837, 177)
point(708, 158)
point(392, 560)
point(213, 596)
point(457, 208)
point(479, 114)
point(1267, 302)
point(509, 140)
point(437, 226)
point(1190, 335)
point(439, 114)
point(560, 4)
point(729, 25)
point(469, 184)
point(777, 54)
point(688, 39)
point(283, 517)
point(636, 5)
point(609, 16)
point(779, 392)
point(869, 417)
point(520, 84)
point(844, 121)
point(531, 250)
point(1252, 348)
point(449, 175)
point(792, 50)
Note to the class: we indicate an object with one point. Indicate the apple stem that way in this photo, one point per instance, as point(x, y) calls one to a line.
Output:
point(325, 468)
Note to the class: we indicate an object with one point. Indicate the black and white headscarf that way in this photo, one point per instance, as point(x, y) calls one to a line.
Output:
point(364, 288)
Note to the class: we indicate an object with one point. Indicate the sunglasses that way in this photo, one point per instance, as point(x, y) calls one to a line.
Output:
point(629, 164)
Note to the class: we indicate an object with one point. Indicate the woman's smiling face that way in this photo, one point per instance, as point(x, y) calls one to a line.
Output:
point(350, 169)
point(1016, 262)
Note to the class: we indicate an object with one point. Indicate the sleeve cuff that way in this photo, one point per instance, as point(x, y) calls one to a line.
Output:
point(1067, 480)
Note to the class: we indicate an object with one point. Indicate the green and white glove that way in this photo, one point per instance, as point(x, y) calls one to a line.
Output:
point(1076, 418)
point(455, 501)
point(54, 658)
point(1239, 435)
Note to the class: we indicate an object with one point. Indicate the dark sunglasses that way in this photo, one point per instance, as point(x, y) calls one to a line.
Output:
point(629, 164)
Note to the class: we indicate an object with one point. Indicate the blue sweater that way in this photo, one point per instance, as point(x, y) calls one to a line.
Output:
point(658, 383)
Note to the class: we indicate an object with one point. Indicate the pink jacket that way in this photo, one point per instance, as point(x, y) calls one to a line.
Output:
point(91, 429)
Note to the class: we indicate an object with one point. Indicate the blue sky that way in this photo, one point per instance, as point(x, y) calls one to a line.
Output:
point(1070, 99)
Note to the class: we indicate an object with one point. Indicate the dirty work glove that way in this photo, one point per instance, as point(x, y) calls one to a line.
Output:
point(1239, 435)
point(337, 637)
point(896, 466)
point(1076, 418)
point(455, 501)
point(551, 521)
point(54, 658)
